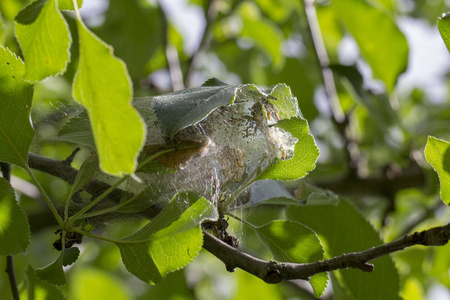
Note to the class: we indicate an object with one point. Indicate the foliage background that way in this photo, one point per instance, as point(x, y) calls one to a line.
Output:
point(375, 158)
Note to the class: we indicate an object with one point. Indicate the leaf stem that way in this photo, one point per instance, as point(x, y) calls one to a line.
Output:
point(110, 209)
point(80, 213)
point(46, 197)
point(94, 236)
point(97, 200)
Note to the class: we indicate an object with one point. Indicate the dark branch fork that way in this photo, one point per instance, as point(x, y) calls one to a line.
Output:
point(269, 271)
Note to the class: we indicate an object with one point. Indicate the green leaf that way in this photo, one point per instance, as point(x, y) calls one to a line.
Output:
point(170, 241)
point(16, 132)
point(14, 227)
point(40, 290)
point(53, 273)
point(68, 4)
point(381, 42)
point(84, 175)
point(70, 255)
point(45, 40)
point(90, 283)
point(343, 230)
point(103, 86)
point(187, 107)
point(437, 153)
point(286, 103)
point(305, 153)
point(291, 241)
point(444, 29)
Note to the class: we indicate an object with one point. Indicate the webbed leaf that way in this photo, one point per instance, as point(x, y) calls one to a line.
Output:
point(305, 153)
point(185, 108)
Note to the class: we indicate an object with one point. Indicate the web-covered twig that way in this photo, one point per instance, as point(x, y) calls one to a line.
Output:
point(274, 272)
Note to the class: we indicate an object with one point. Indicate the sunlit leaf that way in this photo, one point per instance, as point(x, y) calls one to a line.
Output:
point(286, 103)
point(45, 40)
point(444, 29)
point(381, 42)
point(291, 241)
point(170, 241)
point(53, 273)
point(16, 132)
point(343, 230)
point(40, 290)
point(103, 86)
point(305, 153)
point(437, 153)
point(14, 228)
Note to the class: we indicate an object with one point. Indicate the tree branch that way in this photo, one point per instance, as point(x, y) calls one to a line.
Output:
point(274, 272)
point(324, 61)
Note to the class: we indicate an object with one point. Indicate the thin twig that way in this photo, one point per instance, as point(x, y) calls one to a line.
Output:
point(173, 62)
point(324, 61)
point(274, 272)
point(211, 14)
point(6, 173)
point(12, 277)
